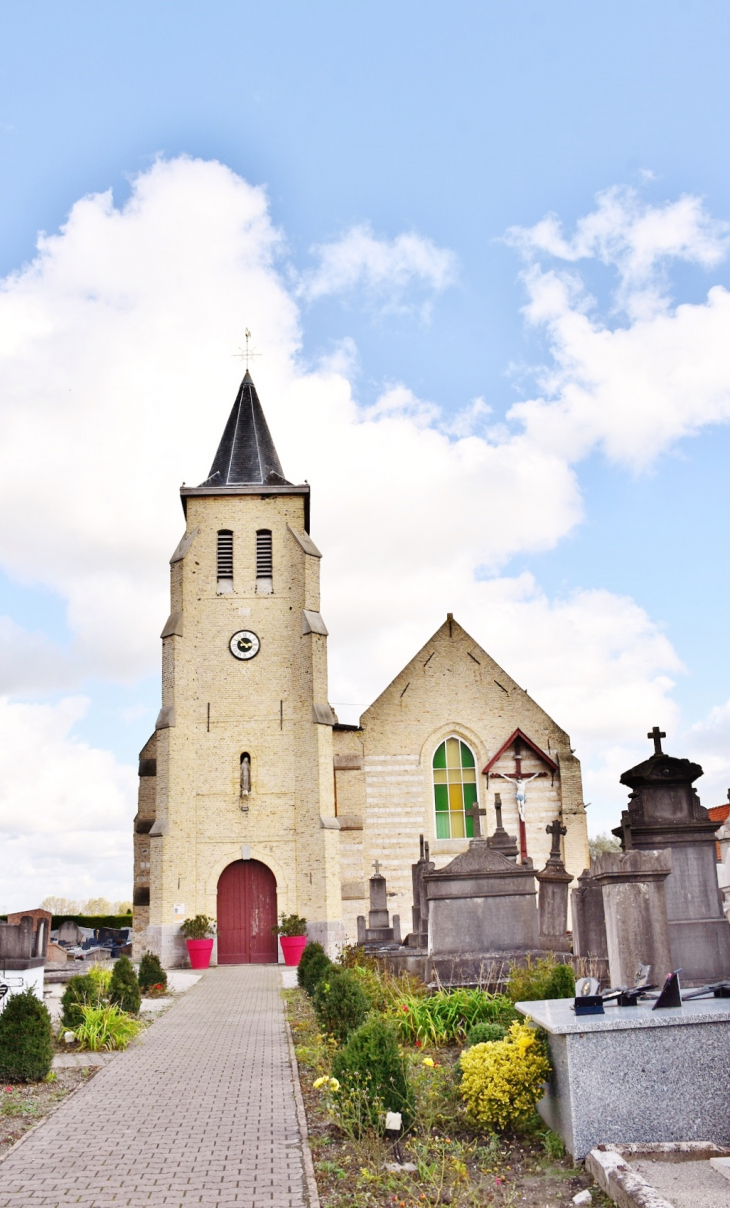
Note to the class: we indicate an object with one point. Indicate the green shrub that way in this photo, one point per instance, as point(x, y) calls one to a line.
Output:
point(313, 965)
point(447, 1016)
point(26, 1046)
point(101, 978)
point(124, 987)
point(80, 991)
point(485, 1033)
point(340, 1002)
point(561, 983)
point(151, 974)
point(105, 1027)
point(536, 980)
point(373, 1077)
point(501, 1082)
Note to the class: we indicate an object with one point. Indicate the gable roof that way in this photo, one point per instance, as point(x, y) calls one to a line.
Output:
point(246, 455)
point(528, 741)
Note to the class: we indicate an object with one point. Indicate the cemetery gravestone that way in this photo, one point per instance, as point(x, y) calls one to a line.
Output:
point(665, 812)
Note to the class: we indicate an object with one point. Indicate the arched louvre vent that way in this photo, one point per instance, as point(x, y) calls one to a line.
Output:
point(225, 554)
point(264, 569)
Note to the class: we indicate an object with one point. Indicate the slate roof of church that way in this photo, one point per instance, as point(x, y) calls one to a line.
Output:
point(246, 455)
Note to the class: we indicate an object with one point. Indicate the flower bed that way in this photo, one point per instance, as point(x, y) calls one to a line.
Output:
point(452, 1159)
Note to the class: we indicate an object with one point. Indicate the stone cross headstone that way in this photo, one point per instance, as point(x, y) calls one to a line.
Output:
point(475, 814)
point(553, 900)
point(500, 841)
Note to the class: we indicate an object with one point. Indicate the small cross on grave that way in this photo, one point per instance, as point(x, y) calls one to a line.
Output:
point(498, 810)
point(557, 830)
point(376, 866)
point(475, 813)
point(657, 735)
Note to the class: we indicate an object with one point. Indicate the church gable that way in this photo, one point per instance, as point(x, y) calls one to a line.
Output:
point(453, 681)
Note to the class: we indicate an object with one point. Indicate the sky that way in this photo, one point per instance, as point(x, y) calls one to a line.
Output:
point(483, 252)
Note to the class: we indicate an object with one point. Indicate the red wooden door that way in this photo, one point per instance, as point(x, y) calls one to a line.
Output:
point(246, 914)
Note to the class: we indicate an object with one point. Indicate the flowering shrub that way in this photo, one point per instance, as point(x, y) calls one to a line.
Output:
point(502, 1081)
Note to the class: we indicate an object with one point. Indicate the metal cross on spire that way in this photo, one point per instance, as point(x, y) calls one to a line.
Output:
point(657, 735)
point(245, 354)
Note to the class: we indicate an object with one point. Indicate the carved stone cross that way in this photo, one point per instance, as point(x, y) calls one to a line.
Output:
point(376, 866)
point(556, 829)
point(475, 813)
point(657, 735)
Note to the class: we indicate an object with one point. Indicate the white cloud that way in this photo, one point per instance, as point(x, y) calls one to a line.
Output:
point(116, 375)
point(708, 741)
point(635, 388)
point(65, 808)
point(31, 663)
point(385, 269)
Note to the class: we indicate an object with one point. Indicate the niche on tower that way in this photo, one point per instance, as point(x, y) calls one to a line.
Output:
point(245, 780)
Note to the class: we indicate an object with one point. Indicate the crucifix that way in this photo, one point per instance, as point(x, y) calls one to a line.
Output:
point(475, 813)
point(657, 735)
point(521, 781)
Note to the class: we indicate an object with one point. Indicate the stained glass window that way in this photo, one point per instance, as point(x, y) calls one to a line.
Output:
point(454, 789)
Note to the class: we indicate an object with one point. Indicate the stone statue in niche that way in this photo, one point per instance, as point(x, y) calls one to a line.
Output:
point(245, 775)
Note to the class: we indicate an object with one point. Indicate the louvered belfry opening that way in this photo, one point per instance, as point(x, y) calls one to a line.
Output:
point(264, 569)
point(225, 560)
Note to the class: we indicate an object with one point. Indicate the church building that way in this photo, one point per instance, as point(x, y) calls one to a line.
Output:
point(253, 800)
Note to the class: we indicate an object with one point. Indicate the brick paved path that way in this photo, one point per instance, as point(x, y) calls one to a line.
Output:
point(202, 1112)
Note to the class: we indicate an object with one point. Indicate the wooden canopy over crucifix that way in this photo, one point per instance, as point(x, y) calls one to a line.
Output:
point(520, 779)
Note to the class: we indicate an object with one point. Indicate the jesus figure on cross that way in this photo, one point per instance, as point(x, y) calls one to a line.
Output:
point(521, 781)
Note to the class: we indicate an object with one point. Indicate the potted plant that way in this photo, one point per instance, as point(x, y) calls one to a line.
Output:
point(199, 934)
point(292, 931)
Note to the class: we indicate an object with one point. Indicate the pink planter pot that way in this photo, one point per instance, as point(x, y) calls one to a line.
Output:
point(199, 952)
point(293, 946)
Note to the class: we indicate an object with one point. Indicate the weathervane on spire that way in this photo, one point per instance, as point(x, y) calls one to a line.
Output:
point(245, 354)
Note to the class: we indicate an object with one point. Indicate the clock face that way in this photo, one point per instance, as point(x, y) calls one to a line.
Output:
point(244, 644)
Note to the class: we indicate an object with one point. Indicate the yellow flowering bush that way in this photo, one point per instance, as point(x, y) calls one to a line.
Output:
point(502, 1080)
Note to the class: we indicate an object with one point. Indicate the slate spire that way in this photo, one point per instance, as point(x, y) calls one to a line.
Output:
point(246, 455)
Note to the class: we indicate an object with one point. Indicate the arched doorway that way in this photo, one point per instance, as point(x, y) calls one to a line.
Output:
point(246, 914)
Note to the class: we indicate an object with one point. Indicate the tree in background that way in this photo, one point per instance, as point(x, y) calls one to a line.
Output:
point(601, 843)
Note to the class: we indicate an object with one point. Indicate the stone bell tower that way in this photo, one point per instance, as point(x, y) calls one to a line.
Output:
point(241, 822)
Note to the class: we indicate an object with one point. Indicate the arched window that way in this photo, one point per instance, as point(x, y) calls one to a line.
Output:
point(454, 789)
point(264, 562)
point(225, 560)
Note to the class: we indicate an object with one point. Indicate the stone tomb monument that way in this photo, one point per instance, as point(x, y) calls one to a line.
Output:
point(637, 927)
point(553, 901)
point(378, 929)
point(665, 812)
point(23, 948)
